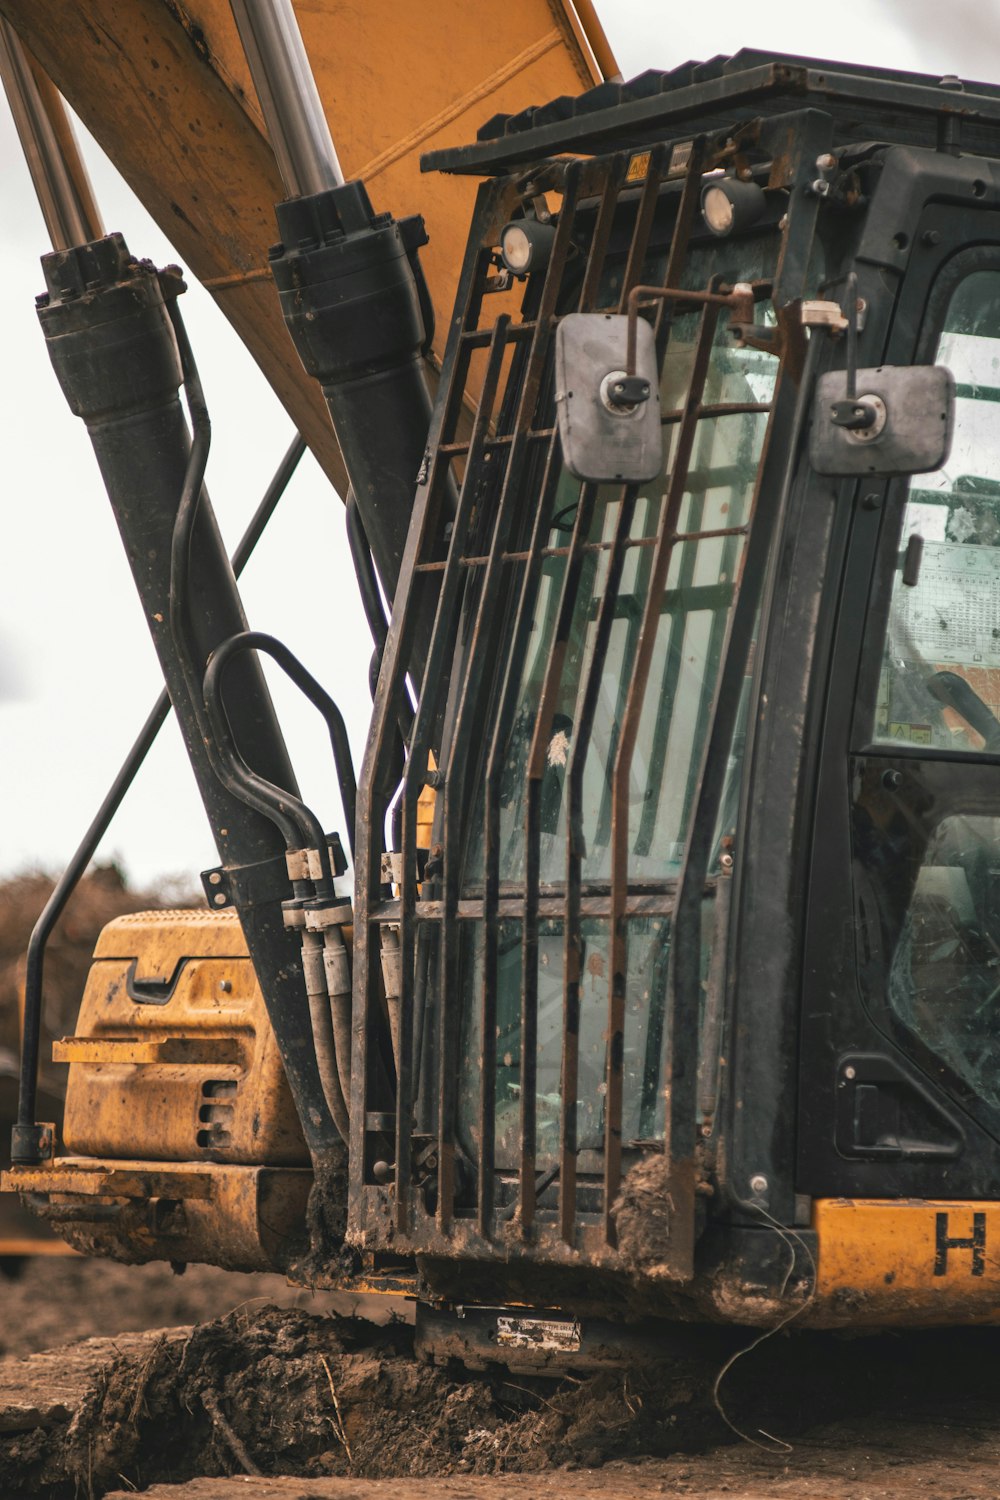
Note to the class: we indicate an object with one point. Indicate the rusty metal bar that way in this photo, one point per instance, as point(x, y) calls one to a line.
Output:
point(442, 639)
point(739, 301)
point(507, 702)
point(646, 542)
point(476, 684)
point(491, 810)
point(378, 778)
point(603, 225)
point(479, 338)
point(575, 852)
point(623, 764)
point(643, 224)
point(438, 483)
point(537, 761)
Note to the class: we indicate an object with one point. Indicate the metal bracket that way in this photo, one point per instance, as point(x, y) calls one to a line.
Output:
point(30, 1144)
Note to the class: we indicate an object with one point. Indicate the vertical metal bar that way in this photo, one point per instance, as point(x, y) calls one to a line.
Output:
point(668, 685)
point(476, 683)
point(376, 781)
point(449, 602)
point(574, 565)
point(687, 212)
point(643, 225)
point(755, 587)
point(517, 646)
point(623, 765)
point(575, 851)
point(491, 815)
point(603, 225)
point(731, 566)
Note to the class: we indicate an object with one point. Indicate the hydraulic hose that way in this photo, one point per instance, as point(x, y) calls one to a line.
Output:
point(87, 848)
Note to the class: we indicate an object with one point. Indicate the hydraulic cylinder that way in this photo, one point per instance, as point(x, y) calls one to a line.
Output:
point(113, 347)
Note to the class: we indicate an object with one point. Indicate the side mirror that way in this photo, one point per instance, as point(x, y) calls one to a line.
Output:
point(897, 420)
point(609, 421)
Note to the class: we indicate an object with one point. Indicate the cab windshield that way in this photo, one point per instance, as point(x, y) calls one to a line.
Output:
point(675, 720)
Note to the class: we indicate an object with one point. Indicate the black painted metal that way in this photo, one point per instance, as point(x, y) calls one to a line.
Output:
point(353, 308)
point(863, 105)
point(87, 848)
point(487, 594)
point(115, 351)
point(919, 786)
point(257, 640)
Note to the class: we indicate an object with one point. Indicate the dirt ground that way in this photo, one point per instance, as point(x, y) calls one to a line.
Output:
point(260, 1391)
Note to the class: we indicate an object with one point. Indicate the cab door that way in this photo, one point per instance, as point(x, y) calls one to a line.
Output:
point(900, 1038)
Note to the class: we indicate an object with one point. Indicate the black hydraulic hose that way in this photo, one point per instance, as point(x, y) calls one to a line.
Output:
point(371, 601)
point(297, 824)
point(364, 567)
point(87, 848)
point(187, 509)
point(258, 640)
point(289, 814)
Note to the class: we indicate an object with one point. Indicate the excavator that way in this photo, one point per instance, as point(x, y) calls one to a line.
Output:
point(653, 975)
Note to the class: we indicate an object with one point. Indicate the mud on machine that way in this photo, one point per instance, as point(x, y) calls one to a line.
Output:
point(663, 985)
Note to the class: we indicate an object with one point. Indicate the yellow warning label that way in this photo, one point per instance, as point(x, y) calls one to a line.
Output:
point(638, 166)
point(914, 734)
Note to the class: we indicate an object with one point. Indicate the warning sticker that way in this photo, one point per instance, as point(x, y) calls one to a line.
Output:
point(912, 734)
point(538, 1333)
point(953, 615)
point(638, 166)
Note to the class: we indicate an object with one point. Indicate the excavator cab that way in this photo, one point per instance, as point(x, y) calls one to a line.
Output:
point(674, 941)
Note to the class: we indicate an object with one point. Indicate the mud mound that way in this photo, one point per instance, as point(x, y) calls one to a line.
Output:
point(284, 1392)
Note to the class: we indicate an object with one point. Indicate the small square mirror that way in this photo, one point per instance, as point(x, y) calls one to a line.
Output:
point(903, 414)
point(606, 439)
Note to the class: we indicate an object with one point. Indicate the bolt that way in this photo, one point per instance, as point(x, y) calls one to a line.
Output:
point(225, 985)
point(849, 1073)
point(892, 780)
point(758, 1183)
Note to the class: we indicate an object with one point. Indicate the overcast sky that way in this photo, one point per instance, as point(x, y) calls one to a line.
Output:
point(77, 671)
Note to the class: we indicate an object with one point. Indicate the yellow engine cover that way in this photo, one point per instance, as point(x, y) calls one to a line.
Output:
point(174, 1058)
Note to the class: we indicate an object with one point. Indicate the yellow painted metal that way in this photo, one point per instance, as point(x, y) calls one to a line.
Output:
point(166, 1049)
point(245, 1218)
point(191, 1073)
point(165, 90)
point(906, 1261)
point(156, 939)
point(84, 1177)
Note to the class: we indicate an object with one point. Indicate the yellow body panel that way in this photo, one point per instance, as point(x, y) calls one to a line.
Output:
point(906, 1261)
point(165, 90)
point(245, 1218)
point(192, 1073)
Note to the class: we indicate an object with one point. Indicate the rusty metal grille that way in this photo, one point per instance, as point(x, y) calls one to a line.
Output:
point(482, 534)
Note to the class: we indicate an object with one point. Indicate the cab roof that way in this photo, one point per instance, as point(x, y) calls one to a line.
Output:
point(867, 104)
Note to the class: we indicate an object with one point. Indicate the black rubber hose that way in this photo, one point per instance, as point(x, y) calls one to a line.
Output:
point(88, 846)
point(258, 640)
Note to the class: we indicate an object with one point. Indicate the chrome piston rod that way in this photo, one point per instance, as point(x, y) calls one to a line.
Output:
point(49, 144)
point(300, 137)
